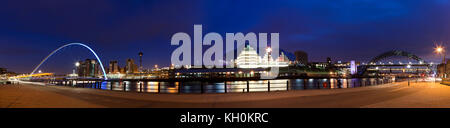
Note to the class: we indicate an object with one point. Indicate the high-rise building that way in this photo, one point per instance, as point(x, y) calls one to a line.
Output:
point(89, 68)
point(114, 67)
point(301, 57)
point(131, 67)
point(140, 61)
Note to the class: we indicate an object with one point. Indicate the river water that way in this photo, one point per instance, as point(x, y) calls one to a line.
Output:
point(237, 86)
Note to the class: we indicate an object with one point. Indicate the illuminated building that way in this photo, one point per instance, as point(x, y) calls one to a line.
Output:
point(131, 67)
point(89, 68)
point(113, 67)
point(301, 57)
point(248, 58)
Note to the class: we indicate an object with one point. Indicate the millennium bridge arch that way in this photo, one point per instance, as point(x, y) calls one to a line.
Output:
point(70, 44)
point(388, 54)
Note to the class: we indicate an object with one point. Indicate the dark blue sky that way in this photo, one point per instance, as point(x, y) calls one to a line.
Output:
point(117, 30)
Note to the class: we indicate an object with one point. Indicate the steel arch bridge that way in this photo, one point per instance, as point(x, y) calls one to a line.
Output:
point(79, 44)
point(387, 55)
point(395, 53)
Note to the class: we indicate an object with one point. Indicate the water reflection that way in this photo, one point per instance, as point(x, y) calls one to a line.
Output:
point(232, 86)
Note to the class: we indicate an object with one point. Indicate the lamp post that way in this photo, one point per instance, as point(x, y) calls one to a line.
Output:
point(440, 50)
point(77, 65)
point(268, 50)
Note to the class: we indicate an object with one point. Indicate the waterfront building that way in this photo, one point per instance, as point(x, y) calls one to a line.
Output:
point(443, 69)
point(131, 67)
point(113, 67)
point(89, 68)
point(301, 57)
point(249, 58)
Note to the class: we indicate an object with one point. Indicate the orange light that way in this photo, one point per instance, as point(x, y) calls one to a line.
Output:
point(439, 49)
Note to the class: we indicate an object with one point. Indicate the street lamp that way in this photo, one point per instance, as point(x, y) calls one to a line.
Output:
point(77, 64)
point(440, 50)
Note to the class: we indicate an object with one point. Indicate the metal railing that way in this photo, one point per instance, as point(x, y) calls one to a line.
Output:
point(227, 86)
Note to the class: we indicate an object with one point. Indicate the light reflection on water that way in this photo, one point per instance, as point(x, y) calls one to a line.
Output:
point(238, 86)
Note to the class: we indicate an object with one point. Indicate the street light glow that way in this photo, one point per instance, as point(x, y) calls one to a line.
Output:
point(77, 64)
point(439, 49)
point(269, 49)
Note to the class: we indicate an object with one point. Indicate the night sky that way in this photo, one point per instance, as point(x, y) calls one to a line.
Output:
point(117, 30)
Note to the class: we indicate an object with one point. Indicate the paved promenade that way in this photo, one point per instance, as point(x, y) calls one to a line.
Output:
point(418, 95)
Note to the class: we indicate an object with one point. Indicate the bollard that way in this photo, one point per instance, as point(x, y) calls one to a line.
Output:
point(159, 87)
point(124, 86)
point(268, 85)
point(140, 87)
point(348, 84)
point(179, 88)
point(201, 87)
point(225, 86)
point(248, 86)
point(304, 84)
point(287, 85)
point(329, 83)
point(318, 85)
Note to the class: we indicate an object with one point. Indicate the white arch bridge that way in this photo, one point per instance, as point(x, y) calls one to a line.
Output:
point(70, 44)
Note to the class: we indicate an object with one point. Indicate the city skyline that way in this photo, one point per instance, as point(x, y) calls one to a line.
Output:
point(340, 30)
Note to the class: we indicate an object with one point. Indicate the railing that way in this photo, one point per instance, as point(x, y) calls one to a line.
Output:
point(224, 87)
